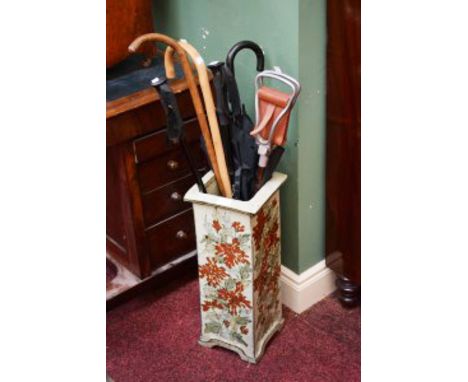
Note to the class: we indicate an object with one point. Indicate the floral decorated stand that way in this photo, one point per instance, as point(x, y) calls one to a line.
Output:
point(239, 260)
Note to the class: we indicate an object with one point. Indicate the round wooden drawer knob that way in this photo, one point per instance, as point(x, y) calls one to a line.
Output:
point(173, 165)
point(176, 196)
point(181, 235)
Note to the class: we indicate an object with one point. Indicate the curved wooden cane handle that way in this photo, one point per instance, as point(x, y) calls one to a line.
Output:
point(211, 112)
point(209, 106)
point(169, 63)
point(197, 103)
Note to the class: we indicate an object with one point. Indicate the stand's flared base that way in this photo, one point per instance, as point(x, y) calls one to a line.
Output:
point(211, 342)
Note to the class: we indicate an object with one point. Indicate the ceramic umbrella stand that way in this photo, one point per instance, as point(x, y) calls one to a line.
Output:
point(239, 262)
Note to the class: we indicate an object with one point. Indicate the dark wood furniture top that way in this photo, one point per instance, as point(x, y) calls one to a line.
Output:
point(139, 113)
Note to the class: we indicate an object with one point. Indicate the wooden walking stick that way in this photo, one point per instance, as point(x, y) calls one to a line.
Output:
point(209, 106)
point(192, 86)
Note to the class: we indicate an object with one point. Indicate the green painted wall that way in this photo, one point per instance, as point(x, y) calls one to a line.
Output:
point(292, 35)
point(311, 160)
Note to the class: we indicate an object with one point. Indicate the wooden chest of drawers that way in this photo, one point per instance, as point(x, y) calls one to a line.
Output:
point(148, 224)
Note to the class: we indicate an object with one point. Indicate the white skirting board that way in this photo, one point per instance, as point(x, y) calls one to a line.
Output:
point(300, 292)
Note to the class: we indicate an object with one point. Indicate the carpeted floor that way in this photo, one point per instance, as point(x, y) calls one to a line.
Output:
point(154, 338)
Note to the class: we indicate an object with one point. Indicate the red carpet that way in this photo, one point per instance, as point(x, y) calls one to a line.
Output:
point(154, 338)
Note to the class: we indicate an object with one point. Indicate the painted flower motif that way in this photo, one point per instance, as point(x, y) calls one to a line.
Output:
point(216, 225)
point(258, 229)
point(260, 282)
point(207, 305)
point(232, 253)
point(272, 237)
point(277, 271)
point(273, 282)
point(238, 227)
point(224, 293)
point(213, 273)
point(267, 267)
point(234, 299)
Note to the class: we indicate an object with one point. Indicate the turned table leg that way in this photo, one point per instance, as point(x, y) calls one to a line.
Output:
point(349, 293)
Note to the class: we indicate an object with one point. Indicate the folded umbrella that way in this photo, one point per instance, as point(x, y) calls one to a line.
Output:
point(235, 123)
point(222, 112)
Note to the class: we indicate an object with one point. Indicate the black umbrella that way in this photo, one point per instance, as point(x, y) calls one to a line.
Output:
point(222, 112)
point(235, 124)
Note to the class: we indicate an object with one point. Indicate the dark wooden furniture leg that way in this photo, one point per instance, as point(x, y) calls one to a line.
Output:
point(343, 160)
point(349, 293)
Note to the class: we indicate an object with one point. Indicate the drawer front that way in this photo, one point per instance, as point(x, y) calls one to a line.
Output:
point(156, 144)
point(169, 167)
point(171, 239)
point(142, 118)
point(166, 201)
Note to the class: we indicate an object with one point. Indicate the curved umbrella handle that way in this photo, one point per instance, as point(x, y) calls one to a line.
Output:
point(191, 84)
point(241, 45)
